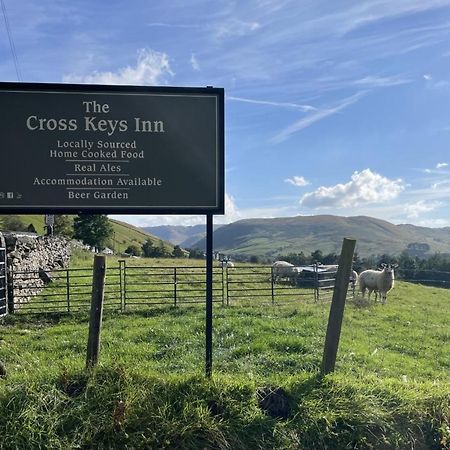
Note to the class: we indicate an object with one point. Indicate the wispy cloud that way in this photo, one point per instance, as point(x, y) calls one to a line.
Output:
point(235, 28)
point(172, 25)
point(316, 117)
point(441, 165)
point(271, 103)
point(194, 62)
point(297, 181)
point(376, 81)
point(151, 68)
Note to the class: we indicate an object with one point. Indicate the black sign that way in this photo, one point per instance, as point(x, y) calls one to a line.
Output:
point(111, 149)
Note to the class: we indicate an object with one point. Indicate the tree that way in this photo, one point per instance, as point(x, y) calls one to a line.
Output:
point(195, 253)
point(177, 252)
point(133, 250)
point(161, 251)
point(148, 249)
point(92, 229)
point(63, 225)
point(317, 255)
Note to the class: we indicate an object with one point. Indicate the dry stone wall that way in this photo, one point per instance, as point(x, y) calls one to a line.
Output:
point(30, 261)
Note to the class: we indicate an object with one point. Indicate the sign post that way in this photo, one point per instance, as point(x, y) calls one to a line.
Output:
point(114, 150)
point(209, 294)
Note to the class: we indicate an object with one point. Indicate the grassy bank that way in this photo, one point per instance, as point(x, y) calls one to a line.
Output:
point(391, 388)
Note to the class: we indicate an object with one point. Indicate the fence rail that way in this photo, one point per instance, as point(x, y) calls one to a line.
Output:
point(133, 287)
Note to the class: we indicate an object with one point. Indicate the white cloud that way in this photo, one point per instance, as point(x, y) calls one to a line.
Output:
point(427, 77)
point(434, 223)
point(413, 210)
point(365, 187)
point(194, 62)
point(297, 181)
point(441, 165)
point(315, 117)
point(151, 68)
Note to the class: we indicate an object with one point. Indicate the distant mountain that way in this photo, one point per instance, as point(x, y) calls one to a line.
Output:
point(271, 237)
point(184, 236)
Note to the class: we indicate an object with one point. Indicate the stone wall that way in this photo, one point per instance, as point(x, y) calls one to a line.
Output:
point(30, 261)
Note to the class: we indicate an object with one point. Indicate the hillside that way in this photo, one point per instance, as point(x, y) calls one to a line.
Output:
point(124, 233)
point(271, 237)
point(185, 236)
point(37, 220)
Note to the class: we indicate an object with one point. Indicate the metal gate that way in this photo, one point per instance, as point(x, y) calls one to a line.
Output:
point(3, 281)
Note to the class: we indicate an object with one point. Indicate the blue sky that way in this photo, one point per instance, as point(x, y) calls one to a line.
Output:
point(331, 107)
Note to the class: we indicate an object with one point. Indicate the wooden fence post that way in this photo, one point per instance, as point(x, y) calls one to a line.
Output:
point(95, 321)
point(338, 305)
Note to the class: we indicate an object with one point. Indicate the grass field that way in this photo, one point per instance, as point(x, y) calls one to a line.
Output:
point(391, 387)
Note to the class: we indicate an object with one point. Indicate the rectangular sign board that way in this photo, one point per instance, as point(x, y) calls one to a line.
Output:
point(111, 149)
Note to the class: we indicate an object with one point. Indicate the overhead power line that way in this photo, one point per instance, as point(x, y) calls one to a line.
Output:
point(11, 42)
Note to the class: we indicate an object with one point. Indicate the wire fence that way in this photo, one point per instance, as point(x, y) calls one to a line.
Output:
point(136, 287)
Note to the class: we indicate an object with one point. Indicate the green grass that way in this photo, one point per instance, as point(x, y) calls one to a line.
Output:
point(391, 387)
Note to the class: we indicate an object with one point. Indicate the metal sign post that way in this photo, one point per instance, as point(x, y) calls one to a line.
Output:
point(209, 293)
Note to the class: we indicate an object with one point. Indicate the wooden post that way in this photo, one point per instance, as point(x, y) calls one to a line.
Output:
point(272, 285)
point(95, 321)
point(338, 305)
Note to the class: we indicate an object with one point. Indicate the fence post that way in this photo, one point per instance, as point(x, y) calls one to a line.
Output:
point(10, 281)
point(338, 305)
point(124, 287)
point(272, 285)
point(68, 290)
point(120, 285)
point(228, 293)
point(175, 286)
point(223, 288)
point(95, 321)
point(316, 282)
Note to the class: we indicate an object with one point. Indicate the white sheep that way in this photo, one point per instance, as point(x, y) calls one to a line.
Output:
point(354, 279)
point(227, 264)
point(283, 269)
point(381, 281)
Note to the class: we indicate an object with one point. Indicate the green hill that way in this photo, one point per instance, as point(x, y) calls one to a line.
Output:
point(37, 220)
point(126, 234)
point(271, 237)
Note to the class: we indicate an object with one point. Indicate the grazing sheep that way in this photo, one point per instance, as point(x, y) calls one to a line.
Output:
point(381, 281)
point(227, 264)
point(283, 269)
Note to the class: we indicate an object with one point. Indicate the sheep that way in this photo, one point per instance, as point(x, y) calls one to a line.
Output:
point(354, 279)
point(227, 264)
point(381, 281)
point(283, 269)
